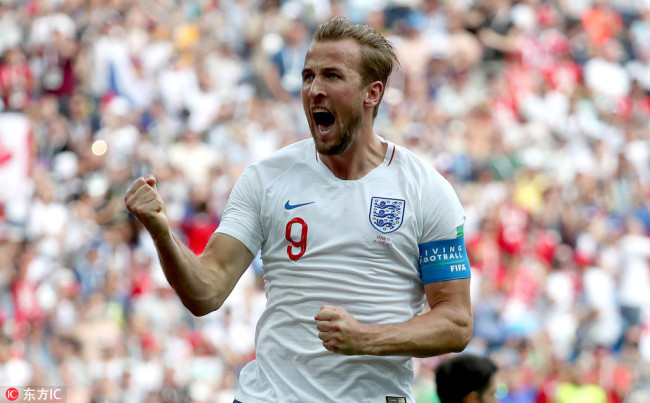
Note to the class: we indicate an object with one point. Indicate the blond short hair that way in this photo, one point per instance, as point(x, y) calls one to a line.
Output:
point(377, 54)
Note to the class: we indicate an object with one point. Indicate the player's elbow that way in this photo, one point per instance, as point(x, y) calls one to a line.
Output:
point(464, 330)
point(200, 308)
point(463, 341)
point(198, 312)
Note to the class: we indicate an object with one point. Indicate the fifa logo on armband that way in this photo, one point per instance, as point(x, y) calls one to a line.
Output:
point(457, 267)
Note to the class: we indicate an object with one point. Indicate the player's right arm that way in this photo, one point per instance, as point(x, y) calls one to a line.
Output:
point(201, 282)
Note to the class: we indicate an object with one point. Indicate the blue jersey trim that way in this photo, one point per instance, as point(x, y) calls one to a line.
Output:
point(443, 260)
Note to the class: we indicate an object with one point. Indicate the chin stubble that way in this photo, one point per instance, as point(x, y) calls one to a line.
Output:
point(346, 136)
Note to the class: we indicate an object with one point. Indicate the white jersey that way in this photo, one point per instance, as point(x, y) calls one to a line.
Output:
point(327, 241)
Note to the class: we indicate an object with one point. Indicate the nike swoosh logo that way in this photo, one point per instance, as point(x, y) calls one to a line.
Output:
point(289, 206)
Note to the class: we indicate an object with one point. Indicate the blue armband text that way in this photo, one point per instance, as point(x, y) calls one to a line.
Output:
point(443, 260)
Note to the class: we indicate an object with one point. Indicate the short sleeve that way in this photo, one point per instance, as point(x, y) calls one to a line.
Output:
point(442, 250)
point(443, 214)
point(241, 217)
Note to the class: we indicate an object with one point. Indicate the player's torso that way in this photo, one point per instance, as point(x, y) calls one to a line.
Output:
point(347, 243)
point(309, 218)
point(317, 214)
point(336, 239)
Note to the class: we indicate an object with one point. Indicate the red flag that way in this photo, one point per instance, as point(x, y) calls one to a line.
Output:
point(15, 156)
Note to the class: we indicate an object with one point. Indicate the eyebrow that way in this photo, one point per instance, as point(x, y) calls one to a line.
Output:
point(324, 69)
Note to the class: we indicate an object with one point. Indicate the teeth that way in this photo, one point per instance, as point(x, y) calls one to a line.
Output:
point(320, 110)
point(323, 129)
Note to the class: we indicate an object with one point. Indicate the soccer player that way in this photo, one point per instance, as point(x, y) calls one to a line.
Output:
point(466, 378)
point(355, 233)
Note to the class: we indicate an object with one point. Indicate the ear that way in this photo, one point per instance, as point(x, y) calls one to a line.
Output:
point(373, 95)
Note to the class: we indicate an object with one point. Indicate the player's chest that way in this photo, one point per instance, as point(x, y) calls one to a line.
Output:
point(318, 217)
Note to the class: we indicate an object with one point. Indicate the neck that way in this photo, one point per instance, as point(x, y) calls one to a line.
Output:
point(364, 154)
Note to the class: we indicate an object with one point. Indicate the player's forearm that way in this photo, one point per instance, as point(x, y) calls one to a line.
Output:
point(442, 330)
point(195, 284)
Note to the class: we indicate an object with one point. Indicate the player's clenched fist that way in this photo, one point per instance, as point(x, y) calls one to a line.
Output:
point(340, 331)
point(145, 203)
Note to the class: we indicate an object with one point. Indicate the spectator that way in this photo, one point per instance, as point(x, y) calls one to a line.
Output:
point(16, 80)
point(466, 378)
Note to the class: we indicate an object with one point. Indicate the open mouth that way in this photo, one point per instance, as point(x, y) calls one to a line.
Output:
point(324, 120)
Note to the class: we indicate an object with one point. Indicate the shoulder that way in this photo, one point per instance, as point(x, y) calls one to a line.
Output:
point(287, 155)
point(263, 173)
point(431, 185)
point(414, 165)
point(408, 157)
point(281, 160)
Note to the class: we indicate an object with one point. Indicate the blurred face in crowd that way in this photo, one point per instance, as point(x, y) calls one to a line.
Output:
point(332, 94)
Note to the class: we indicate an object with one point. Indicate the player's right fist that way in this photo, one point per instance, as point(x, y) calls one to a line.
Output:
point(145, 203)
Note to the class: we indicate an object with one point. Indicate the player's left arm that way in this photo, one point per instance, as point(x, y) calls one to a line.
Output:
point(446, 327)
point(445, 273)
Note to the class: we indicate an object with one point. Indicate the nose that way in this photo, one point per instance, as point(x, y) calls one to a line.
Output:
point(316, 88)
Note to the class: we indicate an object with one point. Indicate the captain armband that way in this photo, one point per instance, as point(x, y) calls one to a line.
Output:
point(443, 260)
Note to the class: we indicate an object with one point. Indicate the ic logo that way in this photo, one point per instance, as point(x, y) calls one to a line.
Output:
point(12, 394)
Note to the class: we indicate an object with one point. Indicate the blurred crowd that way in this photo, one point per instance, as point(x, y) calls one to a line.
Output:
point(537, 111)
